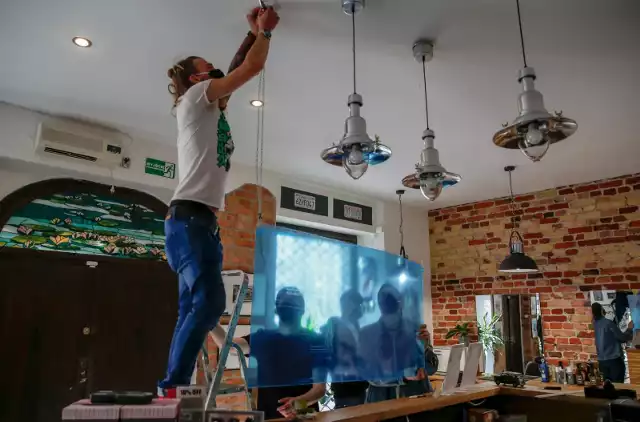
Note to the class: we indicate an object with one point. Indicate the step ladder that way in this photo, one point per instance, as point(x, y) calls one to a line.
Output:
point(215, 386)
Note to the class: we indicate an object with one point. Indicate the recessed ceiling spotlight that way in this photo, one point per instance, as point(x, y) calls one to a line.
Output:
point(257, 103)
point(82, 42)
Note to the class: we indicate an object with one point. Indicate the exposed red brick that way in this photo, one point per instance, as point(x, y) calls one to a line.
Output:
point(533, 235)
point(632, 180)
point(585, 188)
point(464, 208)
point(610, 184)
point(566, 191)
point(624, 189)
point(525, 198)
point(584, 229)
point(558, 206)
point(571, 252)
point(628, 210)
point(486, 204)
point(610, 192)
point(477, 242)
point(548, 220)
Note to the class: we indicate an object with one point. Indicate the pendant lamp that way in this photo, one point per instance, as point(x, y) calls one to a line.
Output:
point(517, 261)
point(430, 176)
point(356, 151)
point(535, 129)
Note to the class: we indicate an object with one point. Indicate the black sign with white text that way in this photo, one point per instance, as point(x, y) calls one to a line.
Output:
point(352, 212)
point(302, 201)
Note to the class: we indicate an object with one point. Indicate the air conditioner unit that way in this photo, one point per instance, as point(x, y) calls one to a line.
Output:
point(77, 141)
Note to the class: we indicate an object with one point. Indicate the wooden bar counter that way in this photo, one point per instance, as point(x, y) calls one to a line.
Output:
point(633, 355)
point(533, 400)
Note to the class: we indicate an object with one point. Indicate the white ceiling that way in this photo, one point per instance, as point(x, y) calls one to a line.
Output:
point(585, 52)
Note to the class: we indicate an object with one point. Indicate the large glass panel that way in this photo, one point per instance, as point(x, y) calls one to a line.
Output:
point(327, 310)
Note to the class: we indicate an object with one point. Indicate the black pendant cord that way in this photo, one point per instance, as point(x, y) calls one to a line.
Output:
point(353, 40)
point(512, 203)
point(524, 55)
point(426, 98)
point(403, 253)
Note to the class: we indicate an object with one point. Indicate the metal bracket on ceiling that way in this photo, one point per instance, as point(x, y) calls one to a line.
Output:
point(423, 50)
point(352, 7)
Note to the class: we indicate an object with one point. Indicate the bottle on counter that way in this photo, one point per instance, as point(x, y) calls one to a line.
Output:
point(571, 379)
point(560, 373)
point(544, 370)
point(579, 374)
point(591, 375)
point(599, 376)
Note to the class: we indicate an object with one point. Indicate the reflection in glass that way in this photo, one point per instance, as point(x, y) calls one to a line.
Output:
point(323, 308)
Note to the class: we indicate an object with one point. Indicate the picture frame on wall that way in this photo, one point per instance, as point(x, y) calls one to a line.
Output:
point(232, 281)
point(233, 361)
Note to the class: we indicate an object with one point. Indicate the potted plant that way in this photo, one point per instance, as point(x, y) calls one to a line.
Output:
point(489, 336)
point(461, 331)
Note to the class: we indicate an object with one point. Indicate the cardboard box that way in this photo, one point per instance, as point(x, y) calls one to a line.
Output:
point(159, 410)
point(483, 415)
point(83, 410)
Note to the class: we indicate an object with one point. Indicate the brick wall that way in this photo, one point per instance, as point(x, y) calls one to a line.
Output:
point(583, 237)
point(238, 224)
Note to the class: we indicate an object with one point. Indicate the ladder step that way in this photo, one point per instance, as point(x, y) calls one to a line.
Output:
point(230, 388)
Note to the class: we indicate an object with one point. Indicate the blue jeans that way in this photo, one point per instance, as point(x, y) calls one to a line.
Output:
point(613, 369)
point(194, 252)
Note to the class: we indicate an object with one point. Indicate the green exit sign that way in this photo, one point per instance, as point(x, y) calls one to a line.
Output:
point(160, 168)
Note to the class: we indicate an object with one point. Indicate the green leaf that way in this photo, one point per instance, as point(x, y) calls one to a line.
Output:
point(38, 240)
point(108, 223)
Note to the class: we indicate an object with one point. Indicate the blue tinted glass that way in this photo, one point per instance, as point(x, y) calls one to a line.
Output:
point(327, 310)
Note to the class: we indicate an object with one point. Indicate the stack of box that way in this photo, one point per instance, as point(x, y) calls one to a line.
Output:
point(165, 410)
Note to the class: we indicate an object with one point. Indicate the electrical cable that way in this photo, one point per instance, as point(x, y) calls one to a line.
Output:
point(426, 98)
point(524, 55)
point(259, 159)
point(353, 41)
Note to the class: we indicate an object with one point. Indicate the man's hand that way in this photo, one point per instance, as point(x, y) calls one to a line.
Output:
point(268, 19)
point(420, 375)
point(288, 408)
point(252, 18)
point(630, 326)
point(424, 335)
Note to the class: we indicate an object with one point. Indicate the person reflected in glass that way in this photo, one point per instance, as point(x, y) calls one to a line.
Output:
point(609, 340)
point(342, 336)
point(291, 359)
point(393, 356)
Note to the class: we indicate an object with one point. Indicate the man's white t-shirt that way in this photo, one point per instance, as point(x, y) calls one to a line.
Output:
point(205, 146)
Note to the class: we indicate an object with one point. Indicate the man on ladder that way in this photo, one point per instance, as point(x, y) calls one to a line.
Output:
point(193, 246)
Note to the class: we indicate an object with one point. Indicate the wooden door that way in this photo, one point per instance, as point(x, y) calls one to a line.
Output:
point(132, 320)
point(43, 315)
point(512, 333)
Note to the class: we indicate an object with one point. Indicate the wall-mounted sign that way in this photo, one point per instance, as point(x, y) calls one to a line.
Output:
point(160, 168)
point(302, 201)
point(352, 212)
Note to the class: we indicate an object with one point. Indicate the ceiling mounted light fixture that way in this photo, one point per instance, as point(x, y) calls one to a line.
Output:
point(517, 261)
point(82, 42)
point(257, 103)
point(356, 151)
point(430, 177)
point(535, 129)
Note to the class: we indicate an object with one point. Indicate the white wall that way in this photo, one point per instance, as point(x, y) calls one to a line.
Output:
point(19, 166)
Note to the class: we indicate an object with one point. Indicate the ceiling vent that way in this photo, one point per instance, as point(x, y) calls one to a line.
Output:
point(72, 140)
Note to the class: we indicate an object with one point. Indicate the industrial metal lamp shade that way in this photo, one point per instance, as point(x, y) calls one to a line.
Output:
point(535, 129)
point(517, 261)
point(430, 176)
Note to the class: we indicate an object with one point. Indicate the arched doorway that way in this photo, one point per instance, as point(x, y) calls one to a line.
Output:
point(87, 302)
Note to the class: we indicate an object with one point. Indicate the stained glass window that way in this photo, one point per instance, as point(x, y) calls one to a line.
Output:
point(85, 223)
